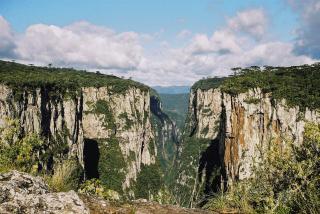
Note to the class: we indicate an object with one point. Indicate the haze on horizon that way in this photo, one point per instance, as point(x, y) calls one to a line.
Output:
point(160, 42)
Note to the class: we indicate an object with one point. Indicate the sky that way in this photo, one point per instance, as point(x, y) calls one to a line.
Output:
point(160, 42)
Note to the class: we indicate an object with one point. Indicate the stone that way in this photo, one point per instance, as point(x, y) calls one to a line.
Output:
point(23, 193)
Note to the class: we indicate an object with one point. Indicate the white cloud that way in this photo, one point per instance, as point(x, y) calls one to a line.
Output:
point(6, 38)
point(184, 34)
point(308, 39)
point(222, 41)
point(80, 44)
point(128, 54)
point(253, 22)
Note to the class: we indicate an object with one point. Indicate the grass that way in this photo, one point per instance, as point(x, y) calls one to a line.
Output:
point(67, 176)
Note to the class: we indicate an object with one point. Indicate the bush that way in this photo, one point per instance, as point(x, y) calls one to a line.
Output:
point(94, 187)
point(24, 154)
point(67, 176)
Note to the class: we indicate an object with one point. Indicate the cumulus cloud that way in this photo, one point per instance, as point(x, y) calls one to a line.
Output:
point(6, 38)
point(80, 44)
point(252, 22)
point(222, 42)
point(184, 34)
point(308, 39)
point(129, 54)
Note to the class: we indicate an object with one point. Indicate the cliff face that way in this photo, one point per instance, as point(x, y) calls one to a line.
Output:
point(233, 130)
point(110, 133)
point(166, 135)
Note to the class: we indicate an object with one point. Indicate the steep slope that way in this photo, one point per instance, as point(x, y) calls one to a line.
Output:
point(102, 121)
point(176, 107)
point(167, 141)
point(232, 121)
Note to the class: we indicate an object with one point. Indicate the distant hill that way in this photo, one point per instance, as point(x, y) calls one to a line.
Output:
point(172, 89)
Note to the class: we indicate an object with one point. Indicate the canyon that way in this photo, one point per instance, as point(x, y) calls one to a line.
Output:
point(117, 131)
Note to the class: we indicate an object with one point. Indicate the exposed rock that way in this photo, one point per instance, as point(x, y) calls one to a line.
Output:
point(22, 193)
point(238, 129)
point(72, 118)
point(166, 133)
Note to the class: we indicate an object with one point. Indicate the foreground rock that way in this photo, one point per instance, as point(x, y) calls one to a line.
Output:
point(22, 193)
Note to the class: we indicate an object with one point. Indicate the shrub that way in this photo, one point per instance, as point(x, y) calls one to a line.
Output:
point(66, 176)
point(23, 154)
point(94, 187)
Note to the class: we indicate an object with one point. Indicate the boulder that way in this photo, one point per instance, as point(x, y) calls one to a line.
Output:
point(23, 193)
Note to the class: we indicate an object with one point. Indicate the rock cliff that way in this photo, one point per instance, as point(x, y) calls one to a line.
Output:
point(226, 134)
point(166, 135)
point(102, 121)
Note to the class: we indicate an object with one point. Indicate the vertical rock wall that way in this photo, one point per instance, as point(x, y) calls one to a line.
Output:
point(236, 130)
point(66, 119)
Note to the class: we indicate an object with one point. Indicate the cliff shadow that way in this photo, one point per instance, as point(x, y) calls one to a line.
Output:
point(91, 157)
point(210, 165)
point(211, 161)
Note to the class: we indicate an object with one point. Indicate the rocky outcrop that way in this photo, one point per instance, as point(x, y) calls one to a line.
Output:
point(22, 193)
point(74, 121)
point(236, 130)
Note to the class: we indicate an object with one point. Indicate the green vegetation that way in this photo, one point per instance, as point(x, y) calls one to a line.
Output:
point(252, 100)
point(112, 165)
point(205, 130)
point(60, 80)
point(287, 180)
point(129, 123)
point(102, 107)
point(206, 110)
point(206, 84)
point(67, 176)
point(30, 154)
point(24, 154)
point(299, 85)
point(149, 181)
point(176, 107)
point(94, 187)
point(192, 149)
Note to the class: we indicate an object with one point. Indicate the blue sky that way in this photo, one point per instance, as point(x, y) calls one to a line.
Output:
point(145, 16)
point(198, 37)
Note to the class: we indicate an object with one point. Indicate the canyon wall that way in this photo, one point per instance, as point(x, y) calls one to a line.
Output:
point(227, 133)
point(107, 131)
